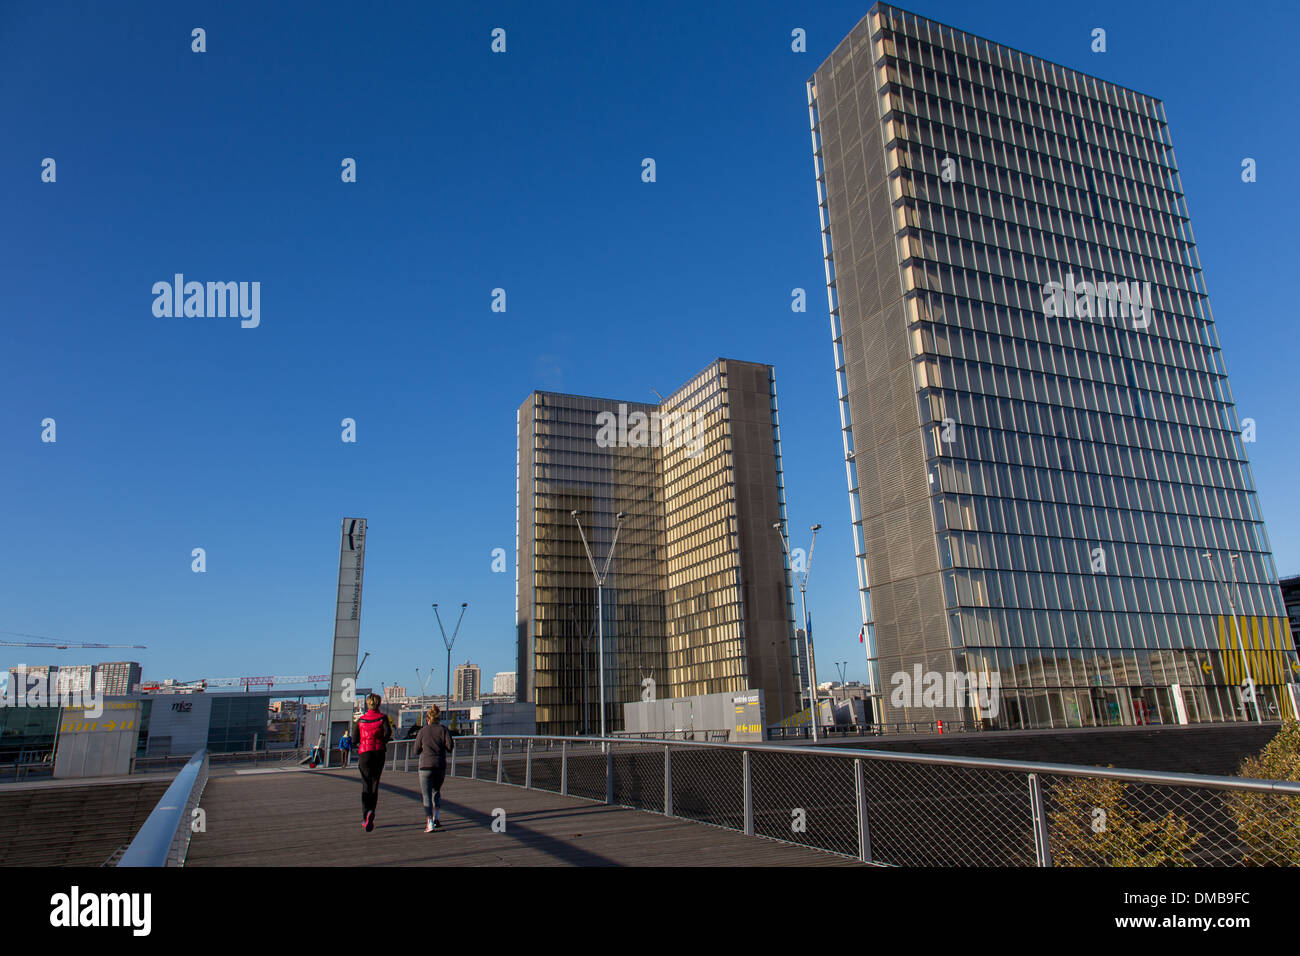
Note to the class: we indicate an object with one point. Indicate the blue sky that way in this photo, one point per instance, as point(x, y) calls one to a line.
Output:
point(475, 171)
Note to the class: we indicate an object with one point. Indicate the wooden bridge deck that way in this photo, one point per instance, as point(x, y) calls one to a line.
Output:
point(313, 818)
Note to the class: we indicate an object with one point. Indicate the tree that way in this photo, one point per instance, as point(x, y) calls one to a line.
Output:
point(1268, 824)
point(1095, 824)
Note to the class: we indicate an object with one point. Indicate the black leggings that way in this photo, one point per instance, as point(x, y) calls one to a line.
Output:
point(371, 765)
point(431, 789)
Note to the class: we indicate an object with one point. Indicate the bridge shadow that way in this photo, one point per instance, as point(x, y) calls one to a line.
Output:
point(526, 836)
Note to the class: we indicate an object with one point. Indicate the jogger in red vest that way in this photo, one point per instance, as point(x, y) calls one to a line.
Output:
point(371, 732)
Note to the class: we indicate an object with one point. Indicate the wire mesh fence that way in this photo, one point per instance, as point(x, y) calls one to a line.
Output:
point(802, 799)
point(707, 785)
point(547, 766)
point(922, 814)
point(637, 776)
point(915, 810)
point(586, 777)
point(1110, 822)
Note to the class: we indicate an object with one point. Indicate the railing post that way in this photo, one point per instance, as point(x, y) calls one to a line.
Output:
point(864, 834)
point(453, 762)
point(668, 780)
point(473, 764)
point(1042, 848)
point(749, 794)
point(528, 764)
point(609, 773)
point(564, 768)
point(500, 746)
point(406, 759)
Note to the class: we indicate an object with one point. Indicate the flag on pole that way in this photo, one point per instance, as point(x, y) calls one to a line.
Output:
point(862, 635)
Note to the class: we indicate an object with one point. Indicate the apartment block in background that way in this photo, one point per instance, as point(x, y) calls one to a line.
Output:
point(503, 682)
point(465, 683)
point(117, 677)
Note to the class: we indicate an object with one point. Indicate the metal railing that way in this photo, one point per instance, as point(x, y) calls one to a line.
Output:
point(910, 809)
point(30, 763)
point(709, 736)
point(802, 732)
point(165, 837)
point(256, 758)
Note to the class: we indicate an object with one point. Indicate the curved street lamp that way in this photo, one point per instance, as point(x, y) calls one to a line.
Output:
point(803, 603)
point(601, 577)
point(449, 643)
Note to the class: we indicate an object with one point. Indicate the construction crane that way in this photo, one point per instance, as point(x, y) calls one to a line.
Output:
point(58, 645)
point(424, 681)
point(64, 647)
point(267, 681)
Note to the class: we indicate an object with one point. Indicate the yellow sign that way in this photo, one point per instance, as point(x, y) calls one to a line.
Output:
point(800, 719)
point(74, 719)
point(1269, 650)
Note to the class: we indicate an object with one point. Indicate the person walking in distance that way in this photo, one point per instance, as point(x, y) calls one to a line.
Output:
point(371, 731)
point(317, 753)
point(345, 745)
point(432, 744)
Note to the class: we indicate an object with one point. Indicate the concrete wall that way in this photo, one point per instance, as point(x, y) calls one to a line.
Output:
point(502, 718)
point(769, 611)
point(706, 712)
point(893, 490)
point(102, 746)
point(178, 724)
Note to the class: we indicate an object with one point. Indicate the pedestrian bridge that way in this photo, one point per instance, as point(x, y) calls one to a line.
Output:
point(313, 818)
point(593, 802)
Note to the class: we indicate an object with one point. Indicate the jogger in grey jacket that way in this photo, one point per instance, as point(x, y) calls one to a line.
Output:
point(432, 744)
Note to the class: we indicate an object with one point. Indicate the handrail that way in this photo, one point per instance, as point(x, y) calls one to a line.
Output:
point(986, 763)
point(168, 823)
point(699, 734)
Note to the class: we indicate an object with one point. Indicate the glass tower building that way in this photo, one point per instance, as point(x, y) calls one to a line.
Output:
point(698, 597)
point(1040, 441)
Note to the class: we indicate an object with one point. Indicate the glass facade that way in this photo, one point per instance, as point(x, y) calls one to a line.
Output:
point(703, 607)
point(676, 604)
point(26, 732)
point(1039, 436)
point(238, 722)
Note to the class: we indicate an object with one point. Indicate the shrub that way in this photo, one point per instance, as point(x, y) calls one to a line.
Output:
point(1269, 823)
point(1096, 825)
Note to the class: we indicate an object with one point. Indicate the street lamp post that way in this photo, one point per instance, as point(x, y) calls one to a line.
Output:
point(601, 577)
point(447, 701)
point(803, 604)
point(780, 686)
point(586, 681)
point(1241, 644)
